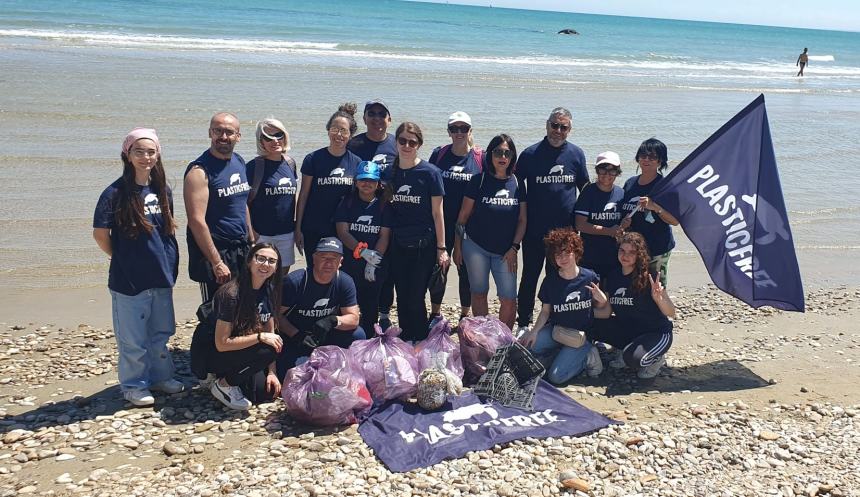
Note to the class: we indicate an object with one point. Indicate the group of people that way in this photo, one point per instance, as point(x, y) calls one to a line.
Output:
point(374, 220)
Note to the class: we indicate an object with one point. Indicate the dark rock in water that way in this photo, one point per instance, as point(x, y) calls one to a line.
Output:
point(568, 31)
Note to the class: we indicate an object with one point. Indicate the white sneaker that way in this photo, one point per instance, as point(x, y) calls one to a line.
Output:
point(207, 382)
point(169, 386)
point(618, 362)
point(652, 370)
point(139, 397)
point(231, 397)
point(593, 364)
point(521, 330)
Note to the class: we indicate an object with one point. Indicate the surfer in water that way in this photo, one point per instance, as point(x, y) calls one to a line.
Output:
point(802, 60)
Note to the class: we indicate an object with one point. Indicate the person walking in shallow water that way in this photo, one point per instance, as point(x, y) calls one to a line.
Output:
point(802, 60)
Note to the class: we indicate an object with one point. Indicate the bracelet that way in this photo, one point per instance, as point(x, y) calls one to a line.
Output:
point(515, 246)
point(259, 337)
point(356, 253)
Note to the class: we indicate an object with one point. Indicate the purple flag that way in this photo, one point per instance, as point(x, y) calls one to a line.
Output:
point(728, 199)
point(406, 437)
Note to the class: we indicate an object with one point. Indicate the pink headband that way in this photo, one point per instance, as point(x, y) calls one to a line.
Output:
point(138, 134)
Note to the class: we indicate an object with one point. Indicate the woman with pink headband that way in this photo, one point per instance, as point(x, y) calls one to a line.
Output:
point(134, 225)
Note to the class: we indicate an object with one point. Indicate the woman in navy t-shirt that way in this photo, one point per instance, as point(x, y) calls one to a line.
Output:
point(490, 227)
point(649, 218)
point(363, 221)
point(273, 202)
point(134, 225)
point(326, 177)
point(571, 297)
point(597, 215)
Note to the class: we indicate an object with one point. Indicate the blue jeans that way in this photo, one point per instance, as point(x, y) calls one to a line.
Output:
point(143, 324)
point(562, 362)
point(480, 263)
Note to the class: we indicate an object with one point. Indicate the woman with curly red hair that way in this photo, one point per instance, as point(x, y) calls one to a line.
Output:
point(570, 298)
point(640, 329)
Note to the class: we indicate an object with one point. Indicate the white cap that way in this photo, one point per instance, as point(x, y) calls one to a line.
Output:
point(461, 117)
point(608, 158)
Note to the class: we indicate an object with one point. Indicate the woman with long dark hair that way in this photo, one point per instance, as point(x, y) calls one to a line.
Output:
point(640, 328)
point(134, 225)
point(363, 222)
point(490, 227)
point(246, 338)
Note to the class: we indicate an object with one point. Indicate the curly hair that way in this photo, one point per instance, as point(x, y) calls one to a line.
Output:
point(640, 266)
point(562, 240)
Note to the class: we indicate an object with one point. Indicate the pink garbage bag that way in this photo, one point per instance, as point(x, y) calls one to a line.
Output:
point(325, 390)
point(387, 364)
point(440, 343)
point(479, 339)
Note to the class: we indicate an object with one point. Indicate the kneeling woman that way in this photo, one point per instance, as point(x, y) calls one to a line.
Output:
point(570, 298)
point(640, 328)
point(246, 342)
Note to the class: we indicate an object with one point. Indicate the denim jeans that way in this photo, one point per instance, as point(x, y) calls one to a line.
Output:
point(143, 324)
point(562, 362)
point(480, 263)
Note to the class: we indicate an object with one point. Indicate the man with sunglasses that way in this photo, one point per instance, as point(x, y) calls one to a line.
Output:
point(216, 192)
point(553, 171)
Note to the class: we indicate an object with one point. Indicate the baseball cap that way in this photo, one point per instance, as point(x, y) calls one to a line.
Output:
point(460, 116)
point(608, 158)
point(376, 101)
point(368, 170)
point(330, 244)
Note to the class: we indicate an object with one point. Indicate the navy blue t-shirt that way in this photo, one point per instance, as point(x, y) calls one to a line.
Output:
point(273, 210)
point(309, 301)
point(332, 179)
point(569, 300)
point(456, 173)
point(228, 195)
point(657, 233)
point(635, 309)
point(552, 177)
point(148, 261)
point(493, 222)
point(600, 209)
point(411, 203)
point(383, 153)
point(364, 219)
point(226, 304)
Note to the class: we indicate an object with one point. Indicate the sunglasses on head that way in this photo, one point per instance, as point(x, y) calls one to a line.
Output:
point(559, 126)
point(406, 141)
point(501, 153)
point(459, 129)
point(272, 137)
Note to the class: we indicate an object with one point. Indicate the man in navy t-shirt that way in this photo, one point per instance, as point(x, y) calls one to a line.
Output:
point(376, 144)
point(216, 192)
point(553, 171)
point(318, 306)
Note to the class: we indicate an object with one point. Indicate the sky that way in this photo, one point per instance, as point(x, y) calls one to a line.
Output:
point(843, 15)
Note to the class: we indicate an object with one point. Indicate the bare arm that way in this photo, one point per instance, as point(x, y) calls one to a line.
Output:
point(384, 239)
point(304, 193)
point(466, 209)
point(528, 340)
point(284, 325)
point(196, 193)
point(252, 235)
point(102, 238)
point(348, 319)
point(439, 224)
point(661, 297)
point(348, 240)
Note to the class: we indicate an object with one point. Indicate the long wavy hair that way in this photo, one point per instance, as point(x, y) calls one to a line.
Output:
point(129, 216)
point(246, 321)
point(640, 267)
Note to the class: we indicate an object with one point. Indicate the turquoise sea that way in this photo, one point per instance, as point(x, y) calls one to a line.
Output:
point(78, 74)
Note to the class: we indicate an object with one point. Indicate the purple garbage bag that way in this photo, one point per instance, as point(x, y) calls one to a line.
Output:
point(439, 342)
point(479, 339)
point(387, 364)
point(325, 390)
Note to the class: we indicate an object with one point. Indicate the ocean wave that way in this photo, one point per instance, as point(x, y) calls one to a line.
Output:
point(822, 58)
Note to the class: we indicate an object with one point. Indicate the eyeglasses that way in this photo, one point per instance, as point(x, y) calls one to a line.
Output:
point(339, 131)
point(607, 172)
point(501, 153)
point(223, 131)
point(459, 129)
point(405, 141)
point(141, 153)
point(377, 113)
point(276, 136)
point(262, 259)
point(558, 126)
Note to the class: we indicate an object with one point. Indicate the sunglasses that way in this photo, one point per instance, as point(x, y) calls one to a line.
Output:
point(459, 129)
point(339, 131)
point(262, 259)
point(607, 172)
point(405, 141)
point(276, 136)
point(377, 113)
point(559, 126)
point(501, 153)
point(649, 157)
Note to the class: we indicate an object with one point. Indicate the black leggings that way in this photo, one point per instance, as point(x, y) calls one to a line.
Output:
point(367, 293)
point(640, 347)
point(463, 285)
point(412, 268)
point(534, 256)
point(246, 368)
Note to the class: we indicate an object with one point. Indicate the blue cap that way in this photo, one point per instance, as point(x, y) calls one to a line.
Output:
point(368, 170)
point(330, 244)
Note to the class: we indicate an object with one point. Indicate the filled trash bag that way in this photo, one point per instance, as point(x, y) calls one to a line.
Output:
point(479, 339)
point(439, 341)
point(325, 390)
point(387, 364)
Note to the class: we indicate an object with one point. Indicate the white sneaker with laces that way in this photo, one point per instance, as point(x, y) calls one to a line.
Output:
point(593, 364)
point(169, 386)
point(231, 397)
point(652, 370)
point(618, 361)
point(207, 382)
point(139, 397)
point(521, 330)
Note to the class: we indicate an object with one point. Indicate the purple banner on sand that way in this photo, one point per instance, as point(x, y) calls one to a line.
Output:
point(405, 437)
